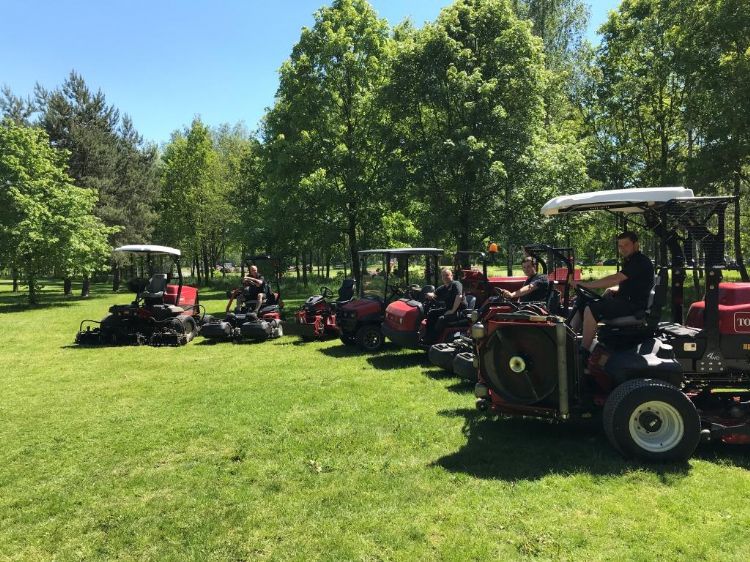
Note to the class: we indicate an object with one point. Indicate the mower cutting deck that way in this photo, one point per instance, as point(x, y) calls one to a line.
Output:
point(161, 314)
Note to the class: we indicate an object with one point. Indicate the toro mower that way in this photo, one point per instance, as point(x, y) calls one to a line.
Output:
point(454, 352)
point(659, 387)
point(244, 323)
point(359, 321)
point(161, 314)
point(316, 318)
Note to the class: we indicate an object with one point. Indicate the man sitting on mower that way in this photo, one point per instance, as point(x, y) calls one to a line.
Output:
point(449, 299)
point(252, 291)
point(629, 288)
point(536, 286)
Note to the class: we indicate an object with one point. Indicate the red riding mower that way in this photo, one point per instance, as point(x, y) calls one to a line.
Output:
point(316, 318)
point(161, 314)
point(359, 321)
point(659, 387)
point(455, 354)
point(243, 323)
point(405, 322)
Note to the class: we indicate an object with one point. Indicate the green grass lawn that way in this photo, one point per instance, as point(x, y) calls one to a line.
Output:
point(290, 450)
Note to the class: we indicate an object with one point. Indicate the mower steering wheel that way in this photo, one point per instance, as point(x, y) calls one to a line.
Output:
point(326, 293)
point(587, 294)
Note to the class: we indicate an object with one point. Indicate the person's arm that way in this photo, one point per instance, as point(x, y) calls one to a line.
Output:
point(604, 282)
point(456, 303)
point(520, 292)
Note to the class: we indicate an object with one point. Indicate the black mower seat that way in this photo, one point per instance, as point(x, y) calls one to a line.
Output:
point(641, 317)
point(268, 308)
point(346, 291)
point(154, 291)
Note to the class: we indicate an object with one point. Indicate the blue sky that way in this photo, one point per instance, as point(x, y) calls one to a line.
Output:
point(165, 61)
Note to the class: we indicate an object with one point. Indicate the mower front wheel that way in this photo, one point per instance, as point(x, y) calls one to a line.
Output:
point(651, 420)
point(370, 338)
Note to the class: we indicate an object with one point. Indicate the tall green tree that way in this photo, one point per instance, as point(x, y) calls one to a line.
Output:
point(106, 154)
point(713, 55)
point(466, 94)
point(46, 222)
point(322, 131)
point(640, 93)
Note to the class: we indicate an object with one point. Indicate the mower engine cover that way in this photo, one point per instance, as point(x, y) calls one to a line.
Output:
point(734, 309)
point(404, 315)
point(358, 310)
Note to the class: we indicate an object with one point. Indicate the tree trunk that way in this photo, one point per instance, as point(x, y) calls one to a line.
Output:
point(206, 267)
point(14, 273)
point(509, 262)
point(67, 286)
point(296, 265)
point(328, 265)
point(737, 237)
point(196, 261)
point(116, 278)
point(352, 235)
point(304, 270)
point(31, 278)
point(86, 286)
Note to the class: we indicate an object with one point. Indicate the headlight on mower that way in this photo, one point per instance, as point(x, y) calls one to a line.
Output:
point(478, 331)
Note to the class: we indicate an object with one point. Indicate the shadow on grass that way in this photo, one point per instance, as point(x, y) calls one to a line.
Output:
point(352, 350)
point(460, 386)
point(397, 361)
point(515, 449)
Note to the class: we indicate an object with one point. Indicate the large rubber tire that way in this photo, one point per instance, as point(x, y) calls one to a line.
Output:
point(651, 420)
point(370, 338)
point(442, 354)
point(348, 340)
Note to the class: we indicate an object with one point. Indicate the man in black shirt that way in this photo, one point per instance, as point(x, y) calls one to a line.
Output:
point(252, 291)
point(536, 286)
point(634, 282)
point(449, 298)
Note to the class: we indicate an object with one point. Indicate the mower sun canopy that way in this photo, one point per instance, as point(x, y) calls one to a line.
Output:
point(149, 249)
point(635, 200)
point(404, 251)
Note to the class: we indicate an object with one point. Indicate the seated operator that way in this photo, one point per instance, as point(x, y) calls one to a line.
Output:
point(449, 299)
point(535, 288)
point(629, 288)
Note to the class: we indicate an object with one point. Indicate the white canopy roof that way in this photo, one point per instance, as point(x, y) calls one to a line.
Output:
point(615, 200)
point(148, 249)
point(399, 251)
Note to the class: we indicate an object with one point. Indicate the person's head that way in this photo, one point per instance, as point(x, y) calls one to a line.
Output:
point(253, 271)
point(627, 243)
point(447, 275)
point(529, 265)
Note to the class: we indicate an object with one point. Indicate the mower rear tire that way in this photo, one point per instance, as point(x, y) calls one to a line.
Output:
point(651, 420)
point(370, 338)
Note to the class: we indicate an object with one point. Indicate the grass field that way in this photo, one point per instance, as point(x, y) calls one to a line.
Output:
point(301, 451)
